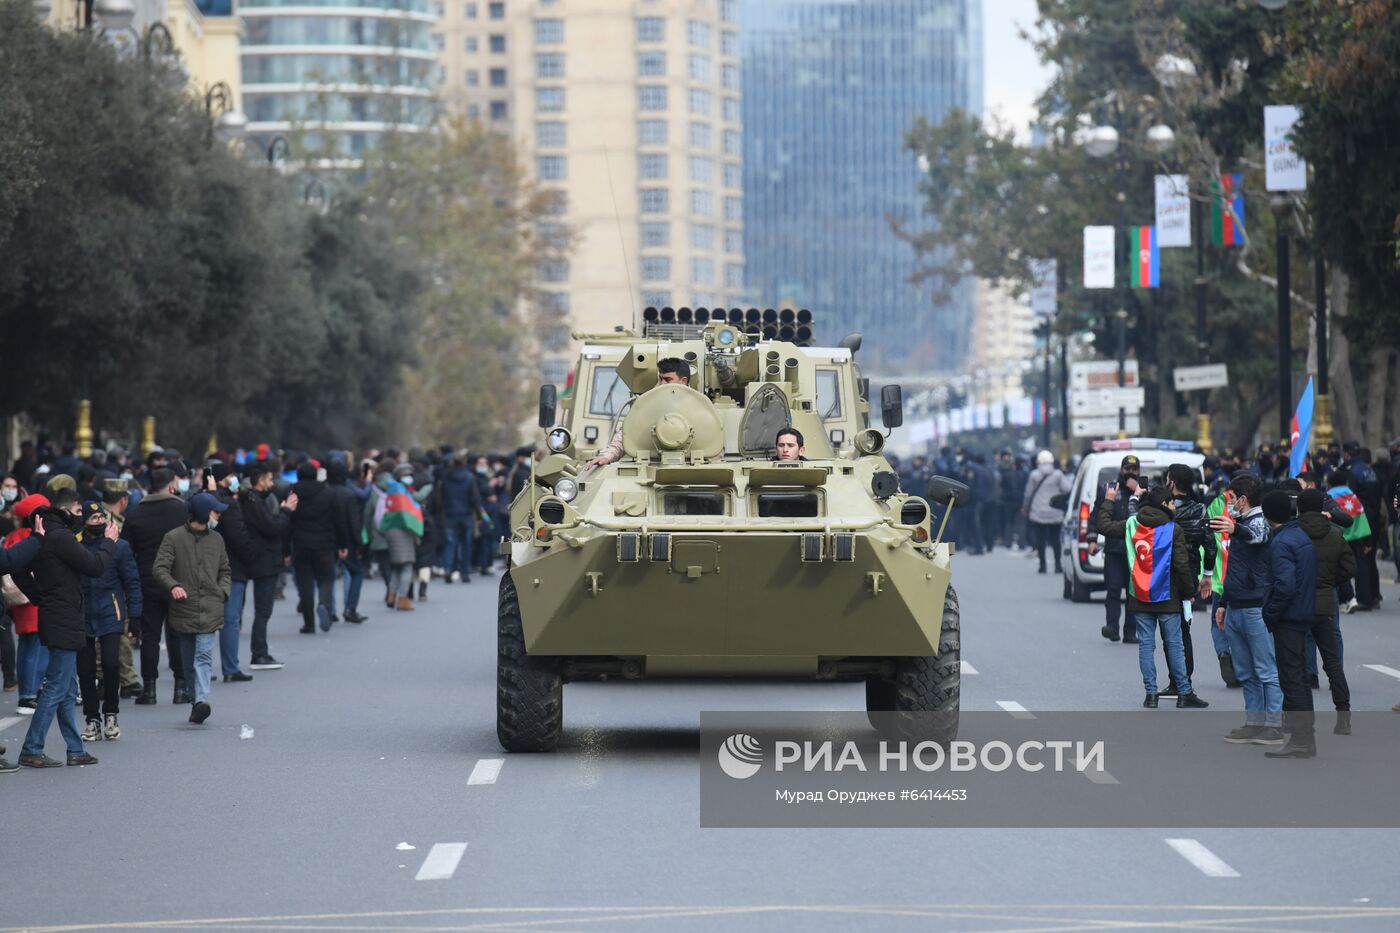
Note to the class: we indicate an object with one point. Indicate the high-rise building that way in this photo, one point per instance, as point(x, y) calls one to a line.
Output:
point(633, 111)
point(830, 88)
point(333, 78)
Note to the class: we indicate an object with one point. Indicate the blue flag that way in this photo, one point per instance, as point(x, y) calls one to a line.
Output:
point(1300, 434)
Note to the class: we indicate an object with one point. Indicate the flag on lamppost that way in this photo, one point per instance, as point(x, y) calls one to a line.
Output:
point(1227, 224)
point(1146, 258)
point(1300, 433)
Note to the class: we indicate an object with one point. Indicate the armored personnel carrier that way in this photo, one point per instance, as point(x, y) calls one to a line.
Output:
point(698, 553)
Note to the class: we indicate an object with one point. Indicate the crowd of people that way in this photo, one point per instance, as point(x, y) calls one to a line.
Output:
point(109, 557)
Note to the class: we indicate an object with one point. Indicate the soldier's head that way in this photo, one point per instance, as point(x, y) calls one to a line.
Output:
point(789, 444)
point(673, 370)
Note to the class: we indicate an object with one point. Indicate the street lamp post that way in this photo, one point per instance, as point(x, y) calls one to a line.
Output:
point(1202, 344)
point(1280, 207)
point(1322, 417)
point(227, 122)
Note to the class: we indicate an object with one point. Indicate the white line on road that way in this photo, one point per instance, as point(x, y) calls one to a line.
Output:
point(1015, 709)
point(1204, 859)
point(486, 771)
point(965, 668)
point(1382, 669)
point(9, 721)
point(442, 861)
point(1095, 776)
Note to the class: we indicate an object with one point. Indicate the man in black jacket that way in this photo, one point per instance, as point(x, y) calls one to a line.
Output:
point(319, 538)
point(1115, 551)
point(1195, 523)
point(352, 507)
point(146, 526)
point(268, 524)
point(54, 584)
point(241, 553)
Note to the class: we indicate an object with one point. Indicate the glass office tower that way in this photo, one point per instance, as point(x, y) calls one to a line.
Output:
point(830, 88)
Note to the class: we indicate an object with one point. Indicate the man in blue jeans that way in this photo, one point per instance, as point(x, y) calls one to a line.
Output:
point(1241, 615)
point(461, 502)
point(238, 543)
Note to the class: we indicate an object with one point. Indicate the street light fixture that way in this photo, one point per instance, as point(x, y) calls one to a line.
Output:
point(229, 123)
point(1101, 141)
point(1174, 71)
point(1161, 139)
point(1272, 6)
point(114, 15)
point(42, 9)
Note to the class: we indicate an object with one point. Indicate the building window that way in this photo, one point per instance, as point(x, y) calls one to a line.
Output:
point(730, 110)
point(729, 10)
point(733, 275)
point(439, 41)
point(557, 202)
point(554, 236)
point(651, 29)
point(702, 202)
point(549, 134)
point(732, 143)
point(652, 167)
point(651, 97)
point(549, 31)
point(701, 137)
point(550, 167)
point(558, 303)
point(471, 43)
point(473, 77)
point(474, 111)
point(701, 101)
point(549, 99)
point(702, 299)
point(697, 33)
point(498, 110)
point(549, 65)
point(733, 175)
point(702, 236)
point(555, 339)
point(496, 10)
point(553, 270)
point(656, 268)
point(733, 241)
point(469, 11)
point(729, 77)
point(655, 200)
point(653, 299)
point(497, 43)
point(498, 77)
point(656, 233)
point(699, 67)
point(651, 64)
point(733, 208)
point(651, 132)
point(729, 43)
point(702, 169)
point(702, 271)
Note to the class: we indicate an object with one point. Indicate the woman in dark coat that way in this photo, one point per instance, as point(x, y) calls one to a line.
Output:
point(111, 601)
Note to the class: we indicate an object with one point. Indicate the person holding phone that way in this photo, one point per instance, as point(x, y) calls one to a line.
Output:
point(1115, 551)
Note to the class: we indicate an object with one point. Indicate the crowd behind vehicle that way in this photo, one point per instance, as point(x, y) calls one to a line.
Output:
point(106, 558)
point(1271, 550)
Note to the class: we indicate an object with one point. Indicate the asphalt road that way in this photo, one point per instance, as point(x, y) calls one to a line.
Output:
point(372, 795)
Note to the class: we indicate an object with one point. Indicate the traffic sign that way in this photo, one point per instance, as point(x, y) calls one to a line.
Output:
point(1106, 401)
point(1211, 376)
point(1101, 374)
point(1103, 425)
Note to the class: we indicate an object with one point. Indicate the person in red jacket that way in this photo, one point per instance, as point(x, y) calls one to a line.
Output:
point(33, 657)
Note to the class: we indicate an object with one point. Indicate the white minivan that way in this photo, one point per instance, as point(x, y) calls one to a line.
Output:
point(1083, 572)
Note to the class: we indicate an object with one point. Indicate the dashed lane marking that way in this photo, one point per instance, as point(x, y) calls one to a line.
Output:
point(1382, 669)
point(486, 771)
point(1015, 709)
point(9, 721)
point(441, 862)
point(1209, 864)
point(965, 668)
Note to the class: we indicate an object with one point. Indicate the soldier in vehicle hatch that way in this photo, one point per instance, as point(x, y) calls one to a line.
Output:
point(669, 371)
point(789, 445)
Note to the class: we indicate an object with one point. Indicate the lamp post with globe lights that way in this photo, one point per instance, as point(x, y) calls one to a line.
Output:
point(227, 122)
point(1101, 142)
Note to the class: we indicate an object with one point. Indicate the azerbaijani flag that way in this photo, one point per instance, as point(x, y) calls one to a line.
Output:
point(1351, 504)
point(1300, 434)
point(1222, 543)
point(1152, 560)
point(1227, 229)
point(1146, 258)
point(400, 509)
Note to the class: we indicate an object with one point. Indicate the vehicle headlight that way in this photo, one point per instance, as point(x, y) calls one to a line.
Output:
point(566, 488)
point(559, 440)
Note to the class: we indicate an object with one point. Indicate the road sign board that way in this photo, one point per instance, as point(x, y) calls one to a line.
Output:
point(1106, 401)
point(1104, 425)
point(1101, 374)
point(1189, 378)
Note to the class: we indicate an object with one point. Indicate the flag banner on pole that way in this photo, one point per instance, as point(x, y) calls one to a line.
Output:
point(1284, 170)
point(1146, 258)
point(1351, 504)
point(1300, 434)
point(1099, 243)
point(1173, 210)
point(1226, 228)
point(1044, 286)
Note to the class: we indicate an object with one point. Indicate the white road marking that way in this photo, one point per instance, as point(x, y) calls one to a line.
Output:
point(1015, 709)
point(1097, 777)
point(442, 861)
point(9, 721)
point(965, 668)
point(1382, 669)
point(486, 771)
point(1204, 859)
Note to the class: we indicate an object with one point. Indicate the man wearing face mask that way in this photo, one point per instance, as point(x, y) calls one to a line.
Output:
point(1115, 550)
point(146, 526)
point(268, 523)
point(109, 600)
point(241, 554)
point(192, 567)
point(319, 538)
point(116, 502)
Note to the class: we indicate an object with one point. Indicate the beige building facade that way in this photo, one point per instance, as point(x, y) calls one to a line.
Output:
point(1003, 344)
point(631, 108)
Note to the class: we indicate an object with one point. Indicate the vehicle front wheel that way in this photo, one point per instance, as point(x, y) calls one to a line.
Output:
point(529, 689)
point(922, 700)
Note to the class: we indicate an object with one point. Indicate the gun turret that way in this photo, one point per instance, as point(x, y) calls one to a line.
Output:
point(791, 325)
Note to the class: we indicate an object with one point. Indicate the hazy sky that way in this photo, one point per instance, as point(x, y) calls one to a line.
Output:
point(1014, 75)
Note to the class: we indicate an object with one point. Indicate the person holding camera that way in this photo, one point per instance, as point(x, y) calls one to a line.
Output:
point(1115, 550)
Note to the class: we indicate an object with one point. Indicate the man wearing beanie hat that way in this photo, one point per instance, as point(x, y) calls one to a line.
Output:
point(192, 567)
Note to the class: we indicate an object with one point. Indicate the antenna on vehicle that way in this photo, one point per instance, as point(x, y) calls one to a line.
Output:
point(621, 240)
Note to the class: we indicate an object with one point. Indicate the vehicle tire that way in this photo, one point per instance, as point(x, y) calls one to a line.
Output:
point(1079, 592)
point(1067, 591)
point(926, 692)
point(879, 698)
point(529, 689)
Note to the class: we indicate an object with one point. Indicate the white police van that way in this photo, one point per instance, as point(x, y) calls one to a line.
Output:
point(1083, 572)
